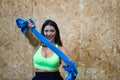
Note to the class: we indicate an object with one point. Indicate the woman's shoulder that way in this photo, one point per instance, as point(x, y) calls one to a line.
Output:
point(62, 48)
point(37, 47)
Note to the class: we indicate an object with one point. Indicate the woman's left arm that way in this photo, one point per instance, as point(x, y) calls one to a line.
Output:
point(64, 50)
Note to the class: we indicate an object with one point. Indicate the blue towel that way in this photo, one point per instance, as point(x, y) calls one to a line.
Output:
point(71, 67)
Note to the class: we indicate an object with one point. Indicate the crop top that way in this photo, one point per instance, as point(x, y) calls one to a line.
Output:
point(50, 63)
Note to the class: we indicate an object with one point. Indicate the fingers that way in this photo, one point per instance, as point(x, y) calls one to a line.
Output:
point(30, 25)
point(63, 64)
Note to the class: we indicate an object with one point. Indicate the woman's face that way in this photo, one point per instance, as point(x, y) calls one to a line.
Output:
point(50, 32)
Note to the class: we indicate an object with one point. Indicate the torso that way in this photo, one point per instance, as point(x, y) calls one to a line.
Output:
point(46, 54)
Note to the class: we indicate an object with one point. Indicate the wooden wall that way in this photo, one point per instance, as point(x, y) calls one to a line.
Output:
point(90, 30)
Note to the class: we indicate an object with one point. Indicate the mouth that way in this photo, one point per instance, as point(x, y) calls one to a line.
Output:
point(50, 38)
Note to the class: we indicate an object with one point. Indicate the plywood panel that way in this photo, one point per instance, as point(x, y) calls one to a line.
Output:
point(89, 30)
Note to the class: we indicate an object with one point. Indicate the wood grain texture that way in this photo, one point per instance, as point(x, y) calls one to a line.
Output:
point(90, 30)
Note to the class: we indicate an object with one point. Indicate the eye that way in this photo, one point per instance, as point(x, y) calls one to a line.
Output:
point(52, 30)
point(45, 30)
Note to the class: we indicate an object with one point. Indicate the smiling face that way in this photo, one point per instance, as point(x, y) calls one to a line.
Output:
point(50, 33)
point(50, 30)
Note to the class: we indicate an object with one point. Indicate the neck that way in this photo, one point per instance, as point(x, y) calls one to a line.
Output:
point(46, 46)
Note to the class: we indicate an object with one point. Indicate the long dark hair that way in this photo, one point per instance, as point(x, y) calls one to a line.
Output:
point(57, 36)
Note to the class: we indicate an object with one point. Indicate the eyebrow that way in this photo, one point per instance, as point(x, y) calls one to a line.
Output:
point(49, 30)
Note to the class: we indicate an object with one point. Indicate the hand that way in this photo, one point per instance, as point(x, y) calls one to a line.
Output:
point(30, 24)
point(63, 64)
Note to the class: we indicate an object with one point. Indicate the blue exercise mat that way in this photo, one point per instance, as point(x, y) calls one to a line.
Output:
point(71, 67)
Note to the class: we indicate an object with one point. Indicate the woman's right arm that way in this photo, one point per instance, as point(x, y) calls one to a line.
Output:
point(32, 39)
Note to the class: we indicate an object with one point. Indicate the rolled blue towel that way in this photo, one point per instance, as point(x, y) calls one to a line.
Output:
point(71, 67)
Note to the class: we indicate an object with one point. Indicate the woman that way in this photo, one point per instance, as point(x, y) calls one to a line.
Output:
point(46, 62)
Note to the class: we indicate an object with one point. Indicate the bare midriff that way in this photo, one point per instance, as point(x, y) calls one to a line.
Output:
point(42, 70)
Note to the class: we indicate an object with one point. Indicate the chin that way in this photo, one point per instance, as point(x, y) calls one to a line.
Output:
point(51, 41)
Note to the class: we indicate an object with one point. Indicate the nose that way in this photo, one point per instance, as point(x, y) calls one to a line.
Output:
point(48, 33)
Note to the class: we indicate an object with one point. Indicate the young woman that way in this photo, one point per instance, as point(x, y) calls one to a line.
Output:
point(46, 62)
